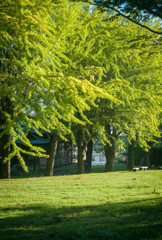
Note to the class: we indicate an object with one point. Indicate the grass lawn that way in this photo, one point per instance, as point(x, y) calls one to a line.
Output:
point(118, 205)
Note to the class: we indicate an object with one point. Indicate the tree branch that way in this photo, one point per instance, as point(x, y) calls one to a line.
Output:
point(153, 12)
point(160, 33)
point(127, 17)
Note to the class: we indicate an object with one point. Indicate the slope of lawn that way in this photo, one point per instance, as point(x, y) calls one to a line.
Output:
point(118, 205)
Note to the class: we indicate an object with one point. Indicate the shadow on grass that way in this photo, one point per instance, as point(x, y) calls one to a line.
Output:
point(69, 170)
point(72, 169)
point(138, 220)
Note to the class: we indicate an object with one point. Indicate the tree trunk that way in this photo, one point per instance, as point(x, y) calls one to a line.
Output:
point(88, 165)
point(5, 167)
point(52, 153)
point(110, 150)
point(81, 149)
point(110, 156)
point(131, 155)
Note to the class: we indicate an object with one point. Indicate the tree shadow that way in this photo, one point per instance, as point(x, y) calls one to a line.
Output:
point(138, 220)
point(69, 170)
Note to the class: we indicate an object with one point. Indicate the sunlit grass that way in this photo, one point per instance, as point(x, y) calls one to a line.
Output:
point(117, 205)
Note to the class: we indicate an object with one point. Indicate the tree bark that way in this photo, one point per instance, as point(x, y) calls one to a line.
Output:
point(52, 153)
point(110, 149)
point(110, 156)
point(131, 155)
point(80, 166)
point(88, 165)
point(5, 167)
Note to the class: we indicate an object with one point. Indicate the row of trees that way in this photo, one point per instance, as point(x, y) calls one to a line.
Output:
point(81, 72)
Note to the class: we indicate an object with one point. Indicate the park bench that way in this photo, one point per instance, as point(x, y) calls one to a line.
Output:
point(144, 168)
point(135, 169)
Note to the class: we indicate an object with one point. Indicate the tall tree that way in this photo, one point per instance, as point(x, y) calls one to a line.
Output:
point(78, 64)
point(132, 76)
point(36, 76)
point(85, 35)
point(129, 76)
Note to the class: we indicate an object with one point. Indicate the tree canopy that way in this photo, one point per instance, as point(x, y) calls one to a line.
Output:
point(63, 63)
point(36, 74)
point(137, 11)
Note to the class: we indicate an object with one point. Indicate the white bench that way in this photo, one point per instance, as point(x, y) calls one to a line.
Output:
point(144, 168)
point(135, 169)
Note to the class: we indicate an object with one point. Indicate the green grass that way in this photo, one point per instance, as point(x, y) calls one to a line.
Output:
point(119, 205)
point(72, 169)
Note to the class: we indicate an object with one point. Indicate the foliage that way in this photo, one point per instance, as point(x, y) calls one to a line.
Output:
point(133, 76)
point(59, 60)
point(36, 72)
point(136, 11)
point(130, 60)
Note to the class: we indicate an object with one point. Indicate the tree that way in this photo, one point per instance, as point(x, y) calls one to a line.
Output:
point(36, 77)
point(79, 49)
point(22, 47)
point(129, 76)
point(138, 12)
point(133, 78)
point(85, 35)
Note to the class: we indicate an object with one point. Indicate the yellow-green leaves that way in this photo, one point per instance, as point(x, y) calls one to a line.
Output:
point(58, 59)
point(44, 47)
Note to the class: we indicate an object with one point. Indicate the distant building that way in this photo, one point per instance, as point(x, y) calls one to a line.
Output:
point(66, 152)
